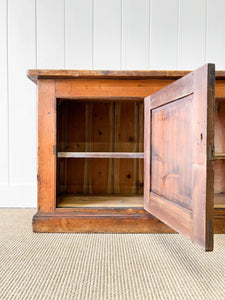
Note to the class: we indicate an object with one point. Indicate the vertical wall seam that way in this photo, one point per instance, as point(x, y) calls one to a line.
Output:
point(35, 15)
point(206, 28)
point(121, 37)
point(93, 34)
point(149, 1)
point(7, 87)
point(178, 34)
point(36, 88)
point(64, 33)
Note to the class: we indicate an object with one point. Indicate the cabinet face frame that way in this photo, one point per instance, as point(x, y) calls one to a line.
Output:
point(94, 85)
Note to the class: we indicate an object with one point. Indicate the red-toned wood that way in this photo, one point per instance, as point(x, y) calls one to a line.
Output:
point(220, 128)
point(46, 178)
point(34, 75)
point(179, 137)
point(99, 220)
point(108, 89)
point(91, 86)
point(118, 222)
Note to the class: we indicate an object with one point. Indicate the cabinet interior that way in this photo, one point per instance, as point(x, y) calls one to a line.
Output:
point(219, 170)
point(100, 149)
point(100, 153)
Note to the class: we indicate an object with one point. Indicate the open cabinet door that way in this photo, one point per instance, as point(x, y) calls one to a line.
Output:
point(179, 155)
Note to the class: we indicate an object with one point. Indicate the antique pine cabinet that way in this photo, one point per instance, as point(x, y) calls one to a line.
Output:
point(131, 151)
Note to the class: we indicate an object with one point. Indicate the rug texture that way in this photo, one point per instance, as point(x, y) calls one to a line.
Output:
point(104, 266)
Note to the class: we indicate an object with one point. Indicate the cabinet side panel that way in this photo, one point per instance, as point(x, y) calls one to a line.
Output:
point(46, 142)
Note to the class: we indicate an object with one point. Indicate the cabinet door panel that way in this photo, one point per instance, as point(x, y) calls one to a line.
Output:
point(179, 143)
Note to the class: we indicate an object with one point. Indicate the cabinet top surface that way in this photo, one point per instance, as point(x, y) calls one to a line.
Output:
point(36, 74)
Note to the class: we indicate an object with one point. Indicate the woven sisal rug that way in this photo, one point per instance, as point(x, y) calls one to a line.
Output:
point(104, 266)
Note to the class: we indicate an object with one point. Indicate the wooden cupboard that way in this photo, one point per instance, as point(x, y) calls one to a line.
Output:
point(131, 151)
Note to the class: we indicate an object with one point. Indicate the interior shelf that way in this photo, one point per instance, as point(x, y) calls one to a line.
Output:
point(93, 200)
point(219, 200)
point(218, 99)
point(101, 154)
point(220, 156)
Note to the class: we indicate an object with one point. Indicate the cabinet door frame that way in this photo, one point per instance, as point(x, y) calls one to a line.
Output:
point(196, 221)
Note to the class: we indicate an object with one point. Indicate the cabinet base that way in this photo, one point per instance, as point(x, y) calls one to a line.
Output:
point(112, 221)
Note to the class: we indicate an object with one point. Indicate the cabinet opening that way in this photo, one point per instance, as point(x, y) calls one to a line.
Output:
point(219, 183)
point(100, 150)
point(219, 170)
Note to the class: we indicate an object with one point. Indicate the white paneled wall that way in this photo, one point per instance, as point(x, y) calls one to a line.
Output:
point(89, 34)
point(135, 34)
point(192, 34)
point(164, 34)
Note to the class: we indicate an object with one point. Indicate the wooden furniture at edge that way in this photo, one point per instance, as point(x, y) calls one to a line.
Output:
point(92, 157)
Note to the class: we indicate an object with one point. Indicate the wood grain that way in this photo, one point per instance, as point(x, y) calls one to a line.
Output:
point(35, 74)
point(126, 140)
point(171, 158)
point(120, 220)
point(86, 220)
point(219, 200)
point(173, 152)
point(46, 178)
point(219, 177)
point(78, 90)
point(220, 128)
point(104, 88)
point(101, 200)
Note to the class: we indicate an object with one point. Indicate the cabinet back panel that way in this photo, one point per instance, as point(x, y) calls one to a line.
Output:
point(219, 183)
point(219, 176)
point(220, 127)
point(100, 126)
point(99, 176)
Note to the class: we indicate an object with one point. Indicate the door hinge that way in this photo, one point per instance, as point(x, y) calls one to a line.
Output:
point(211, 152)
point(54, 150)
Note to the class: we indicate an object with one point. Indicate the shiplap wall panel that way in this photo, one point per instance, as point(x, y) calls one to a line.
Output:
point(163, 34)
point(107, 34)
point(78, 34)
point(3, 94)
point(135, 34)
point(86, 34)
point(50, 34)
point(22, 98)
point(192, 34)
point(215, 47)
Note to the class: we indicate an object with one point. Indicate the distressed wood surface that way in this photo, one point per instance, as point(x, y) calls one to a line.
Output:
point(172, 147)
point(46, 178)
point(219, 183)
point(35, 74)
point(116, 200)
point(99, 220)
point(119, 220)
point(220, 128)
point(115, 88)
